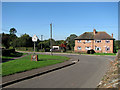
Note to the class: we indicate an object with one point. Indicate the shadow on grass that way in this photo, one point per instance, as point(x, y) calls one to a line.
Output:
point(47, 59)
point(6, 60)
point(42, 60)
point(16, 54)
point(12, 55)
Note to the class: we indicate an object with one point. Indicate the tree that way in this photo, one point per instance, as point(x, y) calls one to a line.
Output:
point(13, 31)
point(117, 44)
point(46, 43)
point(58, 42)
point(25, 41)
point(71, 41)
point(6, 40)
point(12, 38)
point(63, 46)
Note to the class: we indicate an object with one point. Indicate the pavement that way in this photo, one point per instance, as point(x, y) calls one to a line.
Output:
point(86, 73)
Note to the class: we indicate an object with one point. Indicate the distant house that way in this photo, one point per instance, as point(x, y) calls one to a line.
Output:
point(100, 42)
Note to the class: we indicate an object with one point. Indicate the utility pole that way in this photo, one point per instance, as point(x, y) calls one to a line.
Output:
point(41, 41)
point(51, 37)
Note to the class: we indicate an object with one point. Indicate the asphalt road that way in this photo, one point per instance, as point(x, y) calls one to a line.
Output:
point(87, 73)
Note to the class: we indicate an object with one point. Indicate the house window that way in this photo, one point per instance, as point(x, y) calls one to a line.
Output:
point(87, 41)
point(97, 41)
point(107, 48)
point(79, 48)
point(87, 48)
point(107, 41)
point(79, 41)
point(97, 48)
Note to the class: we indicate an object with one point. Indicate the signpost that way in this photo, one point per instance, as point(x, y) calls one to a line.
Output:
point(34, 57)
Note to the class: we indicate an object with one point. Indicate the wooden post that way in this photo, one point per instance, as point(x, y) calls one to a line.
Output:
point(51, 37)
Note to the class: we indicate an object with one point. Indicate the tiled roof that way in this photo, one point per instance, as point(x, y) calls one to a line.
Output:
point(98, 36)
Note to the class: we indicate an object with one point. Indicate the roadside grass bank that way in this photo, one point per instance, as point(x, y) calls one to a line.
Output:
point(25, 63)
point(111, 54)
point(111, 78)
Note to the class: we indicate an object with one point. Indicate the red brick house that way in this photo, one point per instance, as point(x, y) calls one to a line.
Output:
point(100, 42)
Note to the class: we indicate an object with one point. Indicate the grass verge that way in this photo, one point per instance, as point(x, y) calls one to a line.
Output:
point(111, 54)
point(104, 53)
point(25, 63)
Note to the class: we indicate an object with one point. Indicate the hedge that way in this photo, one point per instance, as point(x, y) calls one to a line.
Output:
point(26, 48)
point(6, 52)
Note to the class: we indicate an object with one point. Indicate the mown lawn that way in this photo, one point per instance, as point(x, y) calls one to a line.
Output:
point(25, 63)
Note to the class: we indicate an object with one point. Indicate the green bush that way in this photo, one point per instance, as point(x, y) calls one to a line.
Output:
point(29, 48)
point(24, 48)
point(11, 47)
point(21, 48)
point(47, 49)
point(43, 50)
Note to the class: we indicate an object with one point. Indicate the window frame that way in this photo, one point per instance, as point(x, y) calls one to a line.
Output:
point(79, 41)
point(79, 48)
point(96, 48)
point(107, 48)
point(96, 41)
point(107, 40)
point(87, 41)
point(87, 48)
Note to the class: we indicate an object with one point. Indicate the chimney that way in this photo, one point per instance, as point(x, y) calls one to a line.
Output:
point(112, 35)
point(94, 31)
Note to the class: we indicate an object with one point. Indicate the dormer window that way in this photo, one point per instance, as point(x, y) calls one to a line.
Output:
point(97, 41)
point(79, 41)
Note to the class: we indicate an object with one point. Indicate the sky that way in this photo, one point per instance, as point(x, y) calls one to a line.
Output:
point(60, 0)
point(66, 17)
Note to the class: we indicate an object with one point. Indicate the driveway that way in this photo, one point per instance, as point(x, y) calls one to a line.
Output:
point(87, 73)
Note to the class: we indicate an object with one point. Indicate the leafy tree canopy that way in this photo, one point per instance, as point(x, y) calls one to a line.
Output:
point(13, 31)
point(70, 40)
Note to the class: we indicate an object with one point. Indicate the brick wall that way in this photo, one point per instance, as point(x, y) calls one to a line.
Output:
point(92, 44)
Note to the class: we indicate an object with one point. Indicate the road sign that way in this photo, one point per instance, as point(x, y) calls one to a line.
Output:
point(34, 57)
point(34, 38)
